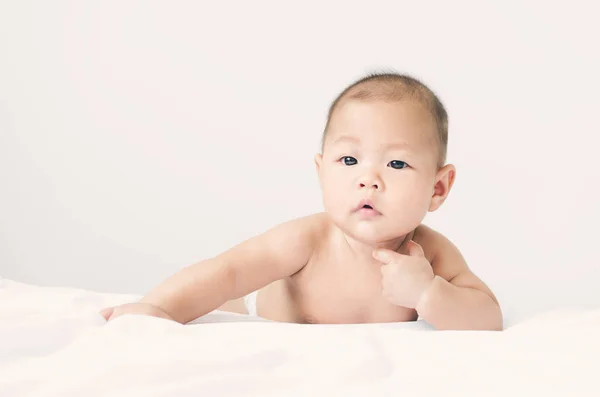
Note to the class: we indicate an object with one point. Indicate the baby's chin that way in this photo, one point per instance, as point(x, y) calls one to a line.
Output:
point(374, 234)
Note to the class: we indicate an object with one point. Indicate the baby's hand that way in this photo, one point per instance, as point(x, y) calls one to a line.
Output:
point(404, 277)
point(147, 309)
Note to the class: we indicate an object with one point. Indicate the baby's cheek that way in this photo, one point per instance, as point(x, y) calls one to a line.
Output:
point(409, 212)
point(334, 204)
point(335, 193)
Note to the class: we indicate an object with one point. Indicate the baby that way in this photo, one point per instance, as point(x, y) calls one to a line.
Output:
point(367, 258)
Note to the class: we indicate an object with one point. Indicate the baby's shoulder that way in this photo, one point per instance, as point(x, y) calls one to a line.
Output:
point(444, 256)
point(429, 239)
point(311, 229)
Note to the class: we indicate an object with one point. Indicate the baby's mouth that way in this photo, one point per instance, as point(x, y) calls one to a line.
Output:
point(368, 212)
point(366, 207)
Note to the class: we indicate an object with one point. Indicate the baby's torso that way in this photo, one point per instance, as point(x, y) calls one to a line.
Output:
point(331, 290)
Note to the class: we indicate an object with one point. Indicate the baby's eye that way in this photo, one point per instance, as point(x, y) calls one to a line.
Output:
point(348, 160)
point(397, 164)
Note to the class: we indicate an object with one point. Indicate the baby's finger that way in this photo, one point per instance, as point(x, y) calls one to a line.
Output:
point(414, 249)
point(107, 312)
point(386, 256)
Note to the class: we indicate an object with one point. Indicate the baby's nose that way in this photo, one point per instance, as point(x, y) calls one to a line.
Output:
point(370, 181)
point(374, 185)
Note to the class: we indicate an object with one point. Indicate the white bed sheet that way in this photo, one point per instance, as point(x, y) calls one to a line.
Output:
point(53, 343)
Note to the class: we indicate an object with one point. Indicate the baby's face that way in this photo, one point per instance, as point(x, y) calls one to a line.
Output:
point(383, 155)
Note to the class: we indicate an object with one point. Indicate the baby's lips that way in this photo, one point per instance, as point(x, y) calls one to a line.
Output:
point(365, 202)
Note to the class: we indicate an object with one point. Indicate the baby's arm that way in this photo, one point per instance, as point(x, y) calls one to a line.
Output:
point(200, 288)
point(456, 298)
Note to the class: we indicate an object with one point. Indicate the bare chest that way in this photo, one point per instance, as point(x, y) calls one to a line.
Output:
point(328, 291)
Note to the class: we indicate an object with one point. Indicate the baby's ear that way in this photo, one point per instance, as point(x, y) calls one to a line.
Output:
point(318, 164)
point(318, 161)
point(443, 183)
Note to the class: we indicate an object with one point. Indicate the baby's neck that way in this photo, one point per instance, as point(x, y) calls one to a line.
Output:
point(364, 251)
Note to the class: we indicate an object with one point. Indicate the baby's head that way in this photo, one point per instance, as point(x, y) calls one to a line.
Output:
point(384, 146)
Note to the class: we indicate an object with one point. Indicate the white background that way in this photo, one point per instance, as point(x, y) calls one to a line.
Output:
point(137, 137)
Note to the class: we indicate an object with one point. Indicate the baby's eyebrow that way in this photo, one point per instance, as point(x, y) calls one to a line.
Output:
point(390, 146)
point(397, 145)
point(346, 138)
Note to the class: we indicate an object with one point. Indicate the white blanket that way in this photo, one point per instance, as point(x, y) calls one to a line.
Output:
point(53, 343)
